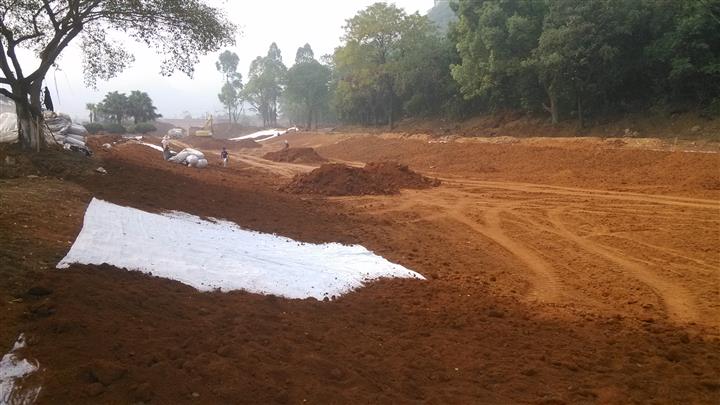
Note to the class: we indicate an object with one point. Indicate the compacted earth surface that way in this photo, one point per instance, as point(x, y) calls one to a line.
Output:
point(558, 271)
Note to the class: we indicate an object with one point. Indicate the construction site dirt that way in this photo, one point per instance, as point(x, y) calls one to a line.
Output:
point(577, 271)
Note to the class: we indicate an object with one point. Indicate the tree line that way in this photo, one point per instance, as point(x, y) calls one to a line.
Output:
point(566, 59)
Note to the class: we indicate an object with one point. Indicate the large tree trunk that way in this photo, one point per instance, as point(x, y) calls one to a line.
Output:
point(391, 122)
point(309, 117)
point(29, 116)
point(553, 108)
point(581, 117)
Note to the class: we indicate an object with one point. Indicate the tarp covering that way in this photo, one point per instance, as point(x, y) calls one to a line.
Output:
point(211, 255)
point(8, 128)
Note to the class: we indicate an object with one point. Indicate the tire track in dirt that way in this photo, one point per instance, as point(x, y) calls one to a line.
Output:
point(678, 301)
point(281, 169)
point(581, 192)
point(544, 280)
point(446, 204)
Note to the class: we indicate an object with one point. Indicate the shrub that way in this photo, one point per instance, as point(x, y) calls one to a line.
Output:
point(94, 127)
point(115, 128)
point(142, 128)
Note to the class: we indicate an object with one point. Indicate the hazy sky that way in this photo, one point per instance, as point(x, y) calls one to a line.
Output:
point(289, 23)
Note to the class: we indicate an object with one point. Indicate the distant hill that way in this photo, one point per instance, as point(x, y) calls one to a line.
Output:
point(442, 15)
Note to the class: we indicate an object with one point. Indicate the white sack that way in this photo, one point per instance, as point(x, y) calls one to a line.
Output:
point(8, 128)
point(77, 129)
point(192, 160)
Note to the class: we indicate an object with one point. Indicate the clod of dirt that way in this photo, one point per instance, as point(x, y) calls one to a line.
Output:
point(375, 179)
point(295, 155)
point(38, 291)
point(106, 372)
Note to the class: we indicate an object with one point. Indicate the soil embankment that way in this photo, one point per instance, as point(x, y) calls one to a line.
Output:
point(295, 155)
point(558, 271)
point(376, 178)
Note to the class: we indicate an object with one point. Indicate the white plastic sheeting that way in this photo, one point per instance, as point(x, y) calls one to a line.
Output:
point(12, 372)
point(265, 134)
point(8, 128)
point(221, 255)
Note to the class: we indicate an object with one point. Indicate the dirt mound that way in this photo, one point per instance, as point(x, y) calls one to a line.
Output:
point(51, 162)
point(295, 155)
point(375, 178)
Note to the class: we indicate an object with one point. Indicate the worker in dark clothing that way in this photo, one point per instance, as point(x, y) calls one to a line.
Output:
point(224, 156)
point(48, 100)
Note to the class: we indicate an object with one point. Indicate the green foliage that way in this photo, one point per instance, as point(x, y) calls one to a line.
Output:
point(494, 39)
point(141, 128)
point(117, 106)
point(265, 84)
point(114, 128)
point(231, 95)
point(685, 51)
point(180, 30)
point(94, 127)
point(114, 107)
point(587, 58)
point(307, 92)
point(140, 107)
point(442, 15)
point(391, 64)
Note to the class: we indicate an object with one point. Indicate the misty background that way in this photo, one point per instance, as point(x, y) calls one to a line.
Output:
point(290, 24)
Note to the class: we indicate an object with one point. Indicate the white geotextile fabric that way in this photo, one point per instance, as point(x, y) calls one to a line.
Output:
point(221, 255)
point(267, 134)
point(12, 371)
point(8, 128)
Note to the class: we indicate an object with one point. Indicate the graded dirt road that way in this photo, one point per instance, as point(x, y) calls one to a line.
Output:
point(559, 271)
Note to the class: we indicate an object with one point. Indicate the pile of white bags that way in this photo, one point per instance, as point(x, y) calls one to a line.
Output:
point(190, 157)
point(59, 128)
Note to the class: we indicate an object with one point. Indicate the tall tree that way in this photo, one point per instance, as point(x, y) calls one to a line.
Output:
point(230, 95)
point(181, 30)
point(375, 32)
point(684, 56)
point(307, 85)
point(265, 84)
point(92, 109)
point(494, 41)
point(140, 107)
point(386, 66)
point(114, 106)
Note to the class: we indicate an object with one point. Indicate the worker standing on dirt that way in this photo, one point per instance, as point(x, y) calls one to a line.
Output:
point(287, 144)
point(224, 156)
point(48, 100)
point(166, 152)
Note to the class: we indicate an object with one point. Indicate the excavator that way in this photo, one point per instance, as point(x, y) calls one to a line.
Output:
point(207, 130)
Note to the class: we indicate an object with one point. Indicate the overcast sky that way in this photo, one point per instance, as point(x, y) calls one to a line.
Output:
point(289, 23)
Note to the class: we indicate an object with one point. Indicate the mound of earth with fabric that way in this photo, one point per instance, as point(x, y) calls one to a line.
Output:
point(376, 178)
point(295, 155)
point(557, 271)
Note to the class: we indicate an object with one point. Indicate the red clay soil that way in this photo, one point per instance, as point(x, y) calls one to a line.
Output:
point(469, 334)
point(376, 178)
point(295, 155)
point(587, 164)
